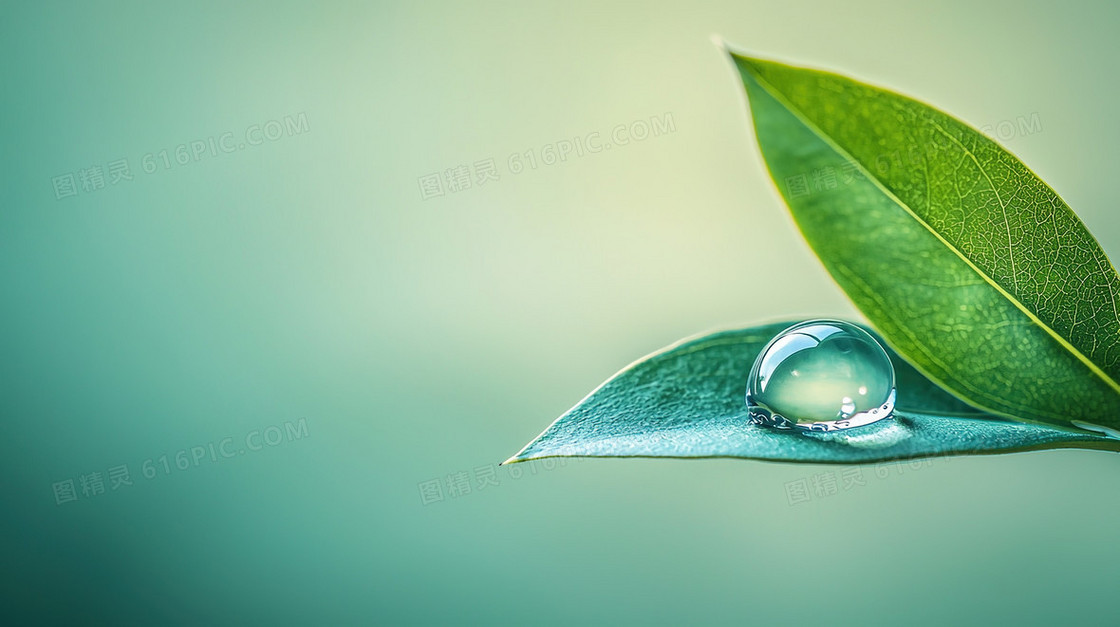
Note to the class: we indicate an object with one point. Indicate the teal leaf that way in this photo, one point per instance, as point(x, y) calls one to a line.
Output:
point(688, 401)
point(965, 261)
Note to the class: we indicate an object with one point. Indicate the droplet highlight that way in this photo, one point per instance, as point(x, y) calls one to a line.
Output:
point(821, 375)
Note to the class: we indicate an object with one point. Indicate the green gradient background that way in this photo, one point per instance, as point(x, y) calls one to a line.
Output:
point(307, 278)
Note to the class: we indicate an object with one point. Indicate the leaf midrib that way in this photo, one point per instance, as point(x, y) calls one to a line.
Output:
point(780, 97)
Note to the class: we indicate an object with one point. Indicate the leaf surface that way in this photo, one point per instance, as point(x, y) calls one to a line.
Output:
point(688, 401)
point(966, 262)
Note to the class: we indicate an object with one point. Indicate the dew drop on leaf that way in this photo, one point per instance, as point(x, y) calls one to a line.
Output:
point(821, 375)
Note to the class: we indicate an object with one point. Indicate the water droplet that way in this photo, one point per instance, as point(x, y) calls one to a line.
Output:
point(821, 375)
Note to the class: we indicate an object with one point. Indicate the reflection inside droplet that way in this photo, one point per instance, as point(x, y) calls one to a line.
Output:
point(821, 375)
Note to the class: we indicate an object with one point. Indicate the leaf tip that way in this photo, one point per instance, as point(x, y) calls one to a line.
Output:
point(745, 62)
point(520, 456)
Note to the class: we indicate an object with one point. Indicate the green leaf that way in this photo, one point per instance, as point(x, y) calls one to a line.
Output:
point(688, 401)
point(964, 260)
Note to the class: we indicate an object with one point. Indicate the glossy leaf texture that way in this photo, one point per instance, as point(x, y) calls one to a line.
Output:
point(688, 401)
point(966, 262)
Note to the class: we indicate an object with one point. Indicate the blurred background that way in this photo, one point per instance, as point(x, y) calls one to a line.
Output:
point(282, 284)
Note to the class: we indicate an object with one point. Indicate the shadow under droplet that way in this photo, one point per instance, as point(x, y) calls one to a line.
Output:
point(882, 434)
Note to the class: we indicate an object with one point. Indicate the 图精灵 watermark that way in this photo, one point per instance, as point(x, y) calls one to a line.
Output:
point(843, 173)
point(101, 175)
point(832, 482)
point(477, 173)
point(97, 482)
point(456, 485)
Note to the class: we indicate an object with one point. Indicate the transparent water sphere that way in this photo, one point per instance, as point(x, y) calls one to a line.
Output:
point(821, 375)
